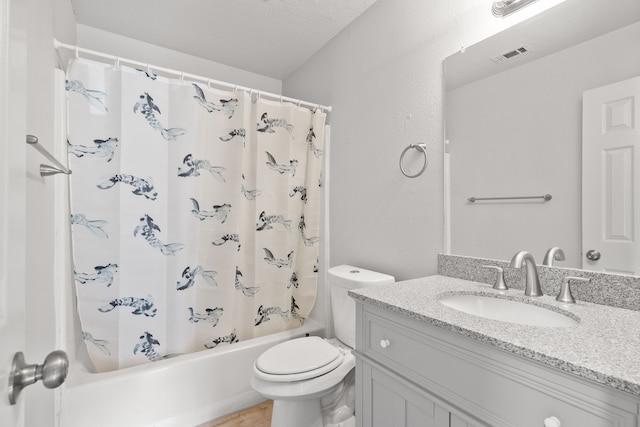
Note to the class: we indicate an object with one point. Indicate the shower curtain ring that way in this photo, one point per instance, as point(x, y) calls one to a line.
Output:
point(209, 83)
point(77, 54)
point(117, 61)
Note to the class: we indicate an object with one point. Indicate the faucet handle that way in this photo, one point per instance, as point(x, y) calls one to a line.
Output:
point(565, 289)
point(500, 284)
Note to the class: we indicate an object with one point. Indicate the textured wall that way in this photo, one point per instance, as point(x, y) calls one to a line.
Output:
point(384, 77)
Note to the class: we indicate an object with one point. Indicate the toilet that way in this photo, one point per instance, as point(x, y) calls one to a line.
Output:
point(311, 380)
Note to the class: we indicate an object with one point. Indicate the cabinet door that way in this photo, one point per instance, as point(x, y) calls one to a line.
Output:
point(389, 401)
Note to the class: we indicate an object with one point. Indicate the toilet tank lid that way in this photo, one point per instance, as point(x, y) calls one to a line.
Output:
point(356, 277)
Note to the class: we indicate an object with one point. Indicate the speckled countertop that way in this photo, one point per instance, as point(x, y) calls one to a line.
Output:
point(604, 347)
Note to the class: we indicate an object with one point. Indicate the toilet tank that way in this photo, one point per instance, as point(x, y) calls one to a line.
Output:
point(342, 278)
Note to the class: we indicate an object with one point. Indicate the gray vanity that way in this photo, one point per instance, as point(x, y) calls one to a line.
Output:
point(421, 363)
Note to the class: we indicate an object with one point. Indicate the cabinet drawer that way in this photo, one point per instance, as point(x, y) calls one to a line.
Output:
point(498, 388)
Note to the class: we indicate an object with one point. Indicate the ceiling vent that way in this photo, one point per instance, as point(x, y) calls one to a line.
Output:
point(510, 55)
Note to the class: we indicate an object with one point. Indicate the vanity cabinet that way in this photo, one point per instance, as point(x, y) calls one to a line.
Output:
point(411, 373)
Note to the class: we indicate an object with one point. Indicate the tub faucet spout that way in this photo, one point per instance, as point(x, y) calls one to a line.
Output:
point(532, 284)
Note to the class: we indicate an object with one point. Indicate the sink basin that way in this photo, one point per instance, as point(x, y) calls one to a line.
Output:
point(506, 310)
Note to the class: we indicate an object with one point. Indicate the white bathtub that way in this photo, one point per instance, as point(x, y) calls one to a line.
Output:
point(184, 391)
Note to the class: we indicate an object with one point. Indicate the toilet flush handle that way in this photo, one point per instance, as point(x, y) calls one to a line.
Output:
point(384, 343)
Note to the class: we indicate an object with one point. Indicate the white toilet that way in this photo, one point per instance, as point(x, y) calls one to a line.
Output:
point(310, 377)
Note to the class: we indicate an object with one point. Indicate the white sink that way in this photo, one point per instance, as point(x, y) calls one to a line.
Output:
point(506, 310)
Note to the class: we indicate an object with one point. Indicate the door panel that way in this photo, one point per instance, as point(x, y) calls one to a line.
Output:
point(12, 203)
point(610, 160)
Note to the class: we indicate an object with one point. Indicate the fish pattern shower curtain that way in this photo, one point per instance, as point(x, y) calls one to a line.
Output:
point(194, 212)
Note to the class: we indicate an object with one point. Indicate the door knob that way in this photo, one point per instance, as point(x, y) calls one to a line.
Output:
point(593, 255)
point(52, 373)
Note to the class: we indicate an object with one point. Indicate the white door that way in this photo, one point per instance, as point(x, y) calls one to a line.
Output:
point(610, 187)
point(12, 201)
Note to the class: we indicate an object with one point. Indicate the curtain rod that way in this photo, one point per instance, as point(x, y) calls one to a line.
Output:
point(58, 45)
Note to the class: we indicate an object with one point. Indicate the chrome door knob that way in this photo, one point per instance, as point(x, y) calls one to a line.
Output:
point(52, 373)
point(593, 255)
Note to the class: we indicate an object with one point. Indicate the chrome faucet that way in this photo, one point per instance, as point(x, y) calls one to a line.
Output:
point(553, 254)
point(532, 284)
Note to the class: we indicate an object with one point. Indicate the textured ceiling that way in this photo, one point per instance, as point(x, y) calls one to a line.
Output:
point(268, 37)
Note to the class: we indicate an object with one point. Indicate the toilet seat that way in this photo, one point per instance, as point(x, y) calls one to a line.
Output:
point(298, 360)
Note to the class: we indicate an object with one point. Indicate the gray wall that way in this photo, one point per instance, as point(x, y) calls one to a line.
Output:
point(383, 76)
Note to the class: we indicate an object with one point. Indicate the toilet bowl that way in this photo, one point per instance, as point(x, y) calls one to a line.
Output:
point(311, 380)
point(298, 396)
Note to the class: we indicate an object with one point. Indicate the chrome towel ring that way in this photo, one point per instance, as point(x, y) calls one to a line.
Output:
point(419, 147)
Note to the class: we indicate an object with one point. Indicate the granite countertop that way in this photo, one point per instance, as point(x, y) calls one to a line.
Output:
point(604, 347)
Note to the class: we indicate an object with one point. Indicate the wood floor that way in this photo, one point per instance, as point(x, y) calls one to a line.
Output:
point(255, 416)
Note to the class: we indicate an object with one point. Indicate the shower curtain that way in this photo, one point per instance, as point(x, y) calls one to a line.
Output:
point(194, 212)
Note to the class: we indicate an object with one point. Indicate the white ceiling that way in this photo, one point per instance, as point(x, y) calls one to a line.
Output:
point(268, 37)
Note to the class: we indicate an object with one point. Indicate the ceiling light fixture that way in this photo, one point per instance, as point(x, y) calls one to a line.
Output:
point(502, 8)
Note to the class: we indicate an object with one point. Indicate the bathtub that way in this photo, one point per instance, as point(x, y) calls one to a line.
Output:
point(184, 391)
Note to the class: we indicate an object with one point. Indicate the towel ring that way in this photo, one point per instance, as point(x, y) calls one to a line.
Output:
point(419, 147)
